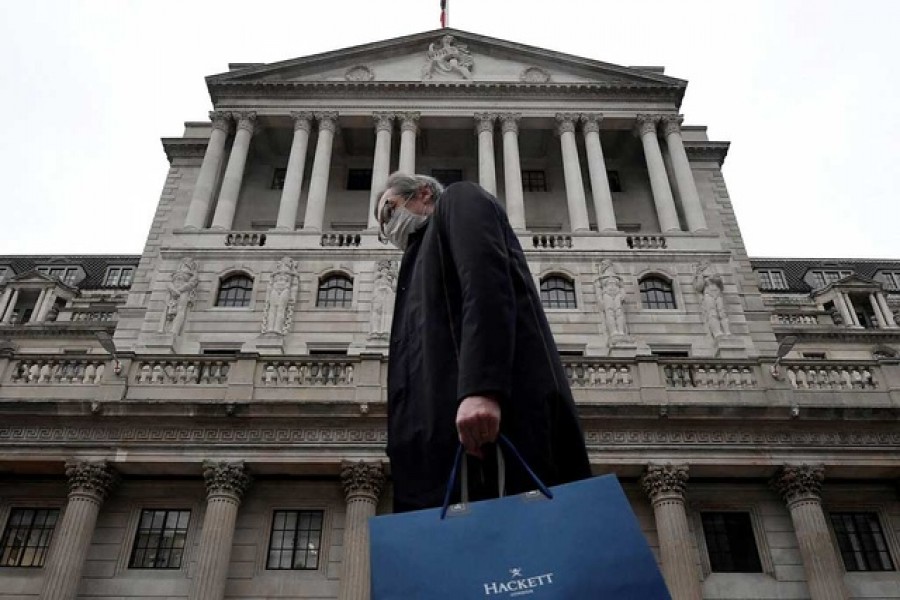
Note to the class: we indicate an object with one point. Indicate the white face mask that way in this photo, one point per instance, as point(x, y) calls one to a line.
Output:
point(403, 223)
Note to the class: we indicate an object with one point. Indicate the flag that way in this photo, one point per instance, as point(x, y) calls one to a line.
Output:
point(445, 14)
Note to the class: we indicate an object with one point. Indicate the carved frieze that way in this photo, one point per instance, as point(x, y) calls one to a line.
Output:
point(534, 75)
point(359, 73)
point(448, 57)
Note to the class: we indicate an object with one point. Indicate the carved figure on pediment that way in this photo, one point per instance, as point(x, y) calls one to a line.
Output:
point(709, 283)
point(612, 302)
point(449, 57)
point(534, 75)
point(180, 294)
point(359, 73)
point(283, 285)
point(383, 300)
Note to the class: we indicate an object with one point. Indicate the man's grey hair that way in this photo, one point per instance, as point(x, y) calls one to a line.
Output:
point(406, 186)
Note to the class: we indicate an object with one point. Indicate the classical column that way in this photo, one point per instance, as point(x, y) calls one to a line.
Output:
point(293, 178)
point(659, 181)
point(11, 307)
point(36, 311)
point(684, 178)
point(4, 302)
point(198, 210)
point(512, 170)
point(487, 170)
point(234, 172)
point(603, 205)
point(876, 310)
point(89, 485)
point(49, 301)
point(842, 308)
point(886, 311)
point(854, 320)
point(665, 486)
point(362, 487)
point(225, 487)
point(381, 164)
point(800, 486)
point(409, 126)
point(318, 184)
point(565, 128)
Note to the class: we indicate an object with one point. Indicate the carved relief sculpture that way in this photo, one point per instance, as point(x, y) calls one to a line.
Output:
point(280, 299)
point(359, 73)
point(710, 285)
point(612, 302)
point(382, 301)
point(534, 75)
point(448, 58)
point(180, 295)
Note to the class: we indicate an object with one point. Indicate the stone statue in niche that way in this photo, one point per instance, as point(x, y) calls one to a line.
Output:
point(283, 285)
point(708, 283)
point(382, 301)
point(611, 290)
point(180, 294)
point(448, 58)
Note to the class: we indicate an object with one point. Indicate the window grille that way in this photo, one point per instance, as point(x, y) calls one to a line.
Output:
point(160, 539)
point(558, 292)
point(26, 537)
point(656, 292)
point(861, 541)
point(335, 291)
point(296, 540)
point(534, 181)
point(771, 279)
point(235, 291)
point(359, 179)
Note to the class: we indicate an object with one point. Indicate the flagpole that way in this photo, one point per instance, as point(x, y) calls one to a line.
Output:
point(445, 13)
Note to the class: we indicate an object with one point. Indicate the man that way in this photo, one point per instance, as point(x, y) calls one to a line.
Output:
point(471, 352)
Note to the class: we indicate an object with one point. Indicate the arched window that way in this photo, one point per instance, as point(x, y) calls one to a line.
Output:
point(558, 291)
point(235, 290)
point(335, 291)
point(656, 292)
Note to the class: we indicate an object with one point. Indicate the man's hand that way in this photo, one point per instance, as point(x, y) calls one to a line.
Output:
point(478, 422)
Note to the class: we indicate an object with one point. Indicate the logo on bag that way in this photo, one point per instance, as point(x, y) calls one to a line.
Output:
point(518, 584)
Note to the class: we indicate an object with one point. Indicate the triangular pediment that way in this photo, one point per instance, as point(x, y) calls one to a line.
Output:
point(852, 283)
point(446, 55)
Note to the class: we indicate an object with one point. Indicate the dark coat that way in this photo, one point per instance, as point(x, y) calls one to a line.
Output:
point(464, 283)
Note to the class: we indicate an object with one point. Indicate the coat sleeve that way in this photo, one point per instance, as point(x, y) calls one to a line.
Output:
point(474, 229)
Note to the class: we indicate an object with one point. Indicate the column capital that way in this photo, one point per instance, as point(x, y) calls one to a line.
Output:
point(93, 479)
point(221, 120)
point(225, 479)
point(645, 124)
point(662, 482)
point(590, 122)
point(384, 121)
point(565, 122)
point(302, 120)
point(409, 121)
point(245, 120)
point(509, 122)
point(796, 483)
point(672, 124)
point(484, 122)
point(362, 479)
point(327, 120)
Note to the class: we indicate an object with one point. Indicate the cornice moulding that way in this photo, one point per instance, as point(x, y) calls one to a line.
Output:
point(701, 151)
point(184, 147)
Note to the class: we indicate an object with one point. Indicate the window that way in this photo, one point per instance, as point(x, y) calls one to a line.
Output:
point(656, 292)
point(534, 181)
point(861, 306)
point(557, 291)
point(67, 275)
point(814, 355)
point(861, 541)
point(615, 184)
point(447, 176)
point(891, 279)
point(335, 291)
point(771, 279)
point(278, 177)
point(296, 540)
point(235, 291)
point(160, 539)
point(118, 276)
point(359, 179)
point(821, 278)
point(670, 353)
point(730, 542)
point(27, 537)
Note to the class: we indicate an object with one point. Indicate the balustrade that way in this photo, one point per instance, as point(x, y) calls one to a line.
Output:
point(339, 239)
point(58, 371)
point(791, 319)
point(180, 372)
point(595, 374)
point(245, 239)
point(551, 241)
point(93, 316)
point(831, 377)
point(646, 242)
point(707, 375)
point(311, 372)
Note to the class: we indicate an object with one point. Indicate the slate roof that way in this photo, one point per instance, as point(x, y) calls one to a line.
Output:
point(796, 268)
point(94, 265)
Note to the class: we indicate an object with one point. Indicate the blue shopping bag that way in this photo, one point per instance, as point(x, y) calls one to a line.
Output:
point(577, 541)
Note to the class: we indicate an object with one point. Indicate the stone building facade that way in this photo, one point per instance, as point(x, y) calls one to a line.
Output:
point(207, 420)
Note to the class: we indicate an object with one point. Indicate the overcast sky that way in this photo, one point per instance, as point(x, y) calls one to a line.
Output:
point(807, 93)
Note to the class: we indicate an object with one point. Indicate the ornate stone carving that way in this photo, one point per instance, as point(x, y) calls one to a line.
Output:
point(509, 122)
point(646, 124)
point(384, 121)
point(382, 301)
point(283, 286)
point(590, 123)
point(362, 479)
point(302, 120)
point(95, 479)
point(709, 283)
point(799, 482)
point(665, 481)
point(672, 124)
point(359, 73)
point(220, 120)
point(180, 294)
point(225, 479)
point(611, 292)
point(534, 75)
point(327, 120)
point(245, 120)
point(484, 122)
point(409, 121)
point(449, 57)
point(565, 122)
